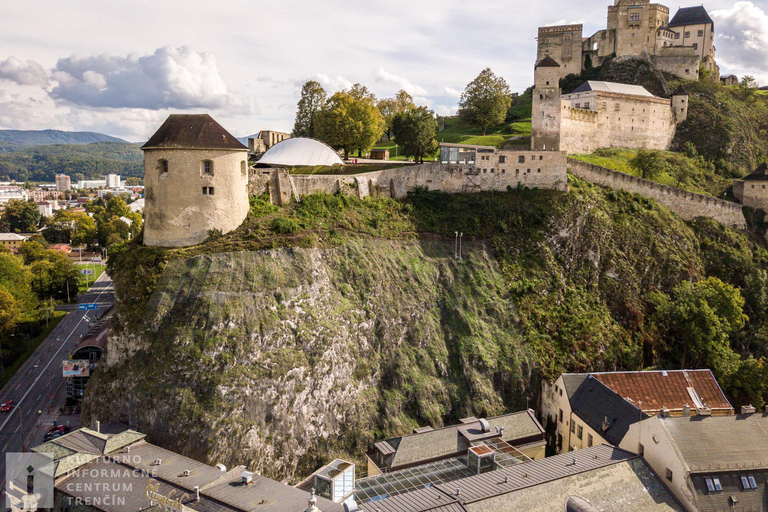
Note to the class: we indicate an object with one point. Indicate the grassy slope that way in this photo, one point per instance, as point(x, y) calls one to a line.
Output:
point(424, 338)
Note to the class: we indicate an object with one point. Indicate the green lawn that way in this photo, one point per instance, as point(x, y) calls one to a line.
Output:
point(457, 133)
point(82, 283)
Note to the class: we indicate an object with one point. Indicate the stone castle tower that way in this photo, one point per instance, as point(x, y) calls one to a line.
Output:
point(195, 179)
point(546, 116)
point(680, 104)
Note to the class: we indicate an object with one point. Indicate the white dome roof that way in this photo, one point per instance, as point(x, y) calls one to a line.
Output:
point(300, 151)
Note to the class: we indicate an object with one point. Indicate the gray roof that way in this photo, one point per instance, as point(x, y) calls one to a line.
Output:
point(748, 499)
point(607, 478)
point(690, 16)
point(572, 381)
point(594, 402)
point(444, 442)
point(633, 90)
point(713, 443)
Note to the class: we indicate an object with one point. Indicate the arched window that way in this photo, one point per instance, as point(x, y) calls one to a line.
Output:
point(243, 169)
point(162, 164)
point(207, 169)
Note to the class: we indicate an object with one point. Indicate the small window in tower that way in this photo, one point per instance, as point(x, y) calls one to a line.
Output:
point(701, 33)
point(687, 34)
point(541, 157)
point(163, 164)
point(547, 83)
point(687, 71)
point(635, 16)
point(205, 191)
point(541, 96)
point(207, 168)
point(210, 191)
point(695, 46)
point(521, 159)
point(502, 159)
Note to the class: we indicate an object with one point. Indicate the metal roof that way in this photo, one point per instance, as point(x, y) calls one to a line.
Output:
point(300, 152)
point(12, 237)
point(633, 90)
point(696, 15)
point(192, 131)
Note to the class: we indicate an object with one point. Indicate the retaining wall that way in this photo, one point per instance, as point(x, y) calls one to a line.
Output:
point(686, 204)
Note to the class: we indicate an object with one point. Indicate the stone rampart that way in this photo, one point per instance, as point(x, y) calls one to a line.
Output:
point(687, 205)
point(282, 187)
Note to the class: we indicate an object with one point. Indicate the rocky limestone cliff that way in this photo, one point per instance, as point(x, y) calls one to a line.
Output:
point(274, 358)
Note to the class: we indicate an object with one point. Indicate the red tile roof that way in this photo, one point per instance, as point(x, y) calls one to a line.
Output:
point(669, 388)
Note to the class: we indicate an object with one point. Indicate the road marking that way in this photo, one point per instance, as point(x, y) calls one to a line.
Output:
point(46, 368)
point(39, 397)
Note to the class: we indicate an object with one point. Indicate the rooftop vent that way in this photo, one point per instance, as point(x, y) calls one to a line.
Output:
point(686, 410)
point(246, 477)
point(484, 425)
point(664, 412)
point(747, 409)
point(221, 467)
point(605, 426)
point(127, 449)
point(158, 462)
point(704, 411)
point(351, 506)
point(186, 472)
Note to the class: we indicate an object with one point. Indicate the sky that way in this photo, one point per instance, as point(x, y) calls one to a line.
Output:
point(121, 67)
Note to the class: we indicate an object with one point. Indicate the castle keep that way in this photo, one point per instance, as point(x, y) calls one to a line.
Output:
point(600, 115)
point(636, 28)
point(195, 179)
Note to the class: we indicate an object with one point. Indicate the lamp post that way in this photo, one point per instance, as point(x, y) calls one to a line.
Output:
point(456, 245)
point(460, 235)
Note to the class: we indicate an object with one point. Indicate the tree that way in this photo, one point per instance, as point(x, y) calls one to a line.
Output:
point(681, 168)
point(415, 130)
point(696, 323)
point(313, 98)
point(349, 120)
point(485, 100)
point(67, 226)
point(648, 163)
point(20, 216)
point(9, 311)
point(390, 107)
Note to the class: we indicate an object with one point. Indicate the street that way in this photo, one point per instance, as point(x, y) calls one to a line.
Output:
point(37, 382)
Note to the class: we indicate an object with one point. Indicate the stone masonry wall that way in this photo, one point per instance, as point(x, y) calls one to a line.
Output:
point(283, 187)
point(686, 204)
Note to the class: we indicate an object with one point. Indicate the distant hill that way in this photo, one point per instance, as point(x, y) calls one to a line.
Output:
point(12, 140)
point(79, 161)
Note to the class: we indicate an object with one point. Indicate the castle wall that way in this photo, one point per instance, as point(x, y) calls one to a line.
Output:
point(685, 204)
point(604, 119)
point(677, 60)
point(562, 43)
point(546, 170)
point(177, 212)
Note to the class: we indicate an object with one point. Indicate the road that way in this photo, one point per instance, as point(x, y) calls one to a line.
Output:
point(39, 378)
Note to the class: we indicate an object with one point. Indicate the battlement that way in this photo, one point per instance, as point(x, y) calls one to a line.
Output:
point(560, 28)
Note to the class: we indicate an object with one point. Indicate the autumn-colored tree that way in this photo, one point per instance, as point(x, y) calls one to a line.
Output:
point(390, 107)
point(350, 120)
point(20, 216)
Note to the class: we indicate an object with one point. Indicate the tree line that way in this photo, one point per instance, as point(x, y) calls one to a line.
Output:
point(354, 120)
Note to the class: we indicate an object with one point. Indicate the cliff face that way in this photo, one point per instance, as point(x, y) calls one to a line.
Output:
point(273, 358)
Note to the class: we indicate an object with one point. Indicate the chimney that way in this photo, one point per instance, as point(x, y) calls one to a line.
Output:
point(664, 412)
point(605, 424)
point(704, 411)
point(127, 449)
point(186, 472)
point(197, 493)
point(747, 409)
point(246, 477)
point(98, 426)
point(686, 410)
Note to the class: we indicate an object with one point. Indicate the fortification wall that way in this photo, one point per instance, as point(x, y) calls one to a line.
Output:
point(685, 204)
point(681, 61)
point(752, 193)
point(283, 187)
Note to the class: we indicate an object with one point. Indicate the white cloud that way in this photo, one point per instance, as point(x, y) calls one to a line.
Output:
point(400, 82)
point(446, 110)
point(330, 84)
point(451, 92)
point(742, 39)
point(23, 73)
point(180, 78)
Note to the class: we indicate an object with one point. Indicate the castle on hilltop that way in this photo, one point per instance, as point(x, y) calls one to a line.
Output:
point(637, 28)
point(600, 114)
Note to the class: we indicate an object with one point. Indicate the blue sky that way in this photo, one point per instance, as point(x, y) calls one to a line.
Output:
point(121, 67)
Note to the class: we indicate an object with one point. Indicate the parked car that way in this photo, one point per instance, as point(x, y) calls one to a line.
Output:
point(6, 406)
point(56, 431)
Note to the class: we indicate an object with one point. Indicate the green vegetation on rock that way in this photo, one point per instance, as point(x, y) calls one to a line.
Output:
point(317, 327)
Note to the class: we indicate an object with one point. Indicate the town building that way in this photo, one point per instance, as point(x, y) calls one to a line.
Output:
point(636, 28)
point(519, 434)
point(86, 184)
point(47, 207)
point(9, 193)
point(63, 183)
point(113, 181)
point(595, 479)
point(601, 114)
point(751, 190)
point(265, 140)
point(12, 240)
point(195, 179)
point(114, 469)
point(586, 409)
point(729, 80)
point(711, 464)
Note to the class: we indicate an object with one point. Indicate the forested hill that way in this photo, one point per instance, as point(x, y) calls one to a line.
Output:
point(15, 139)
point(79, 161)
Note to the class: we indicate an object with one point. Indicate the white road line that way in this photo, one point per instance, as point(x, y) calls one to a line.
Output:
point(46, 366)
point(4, 447)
